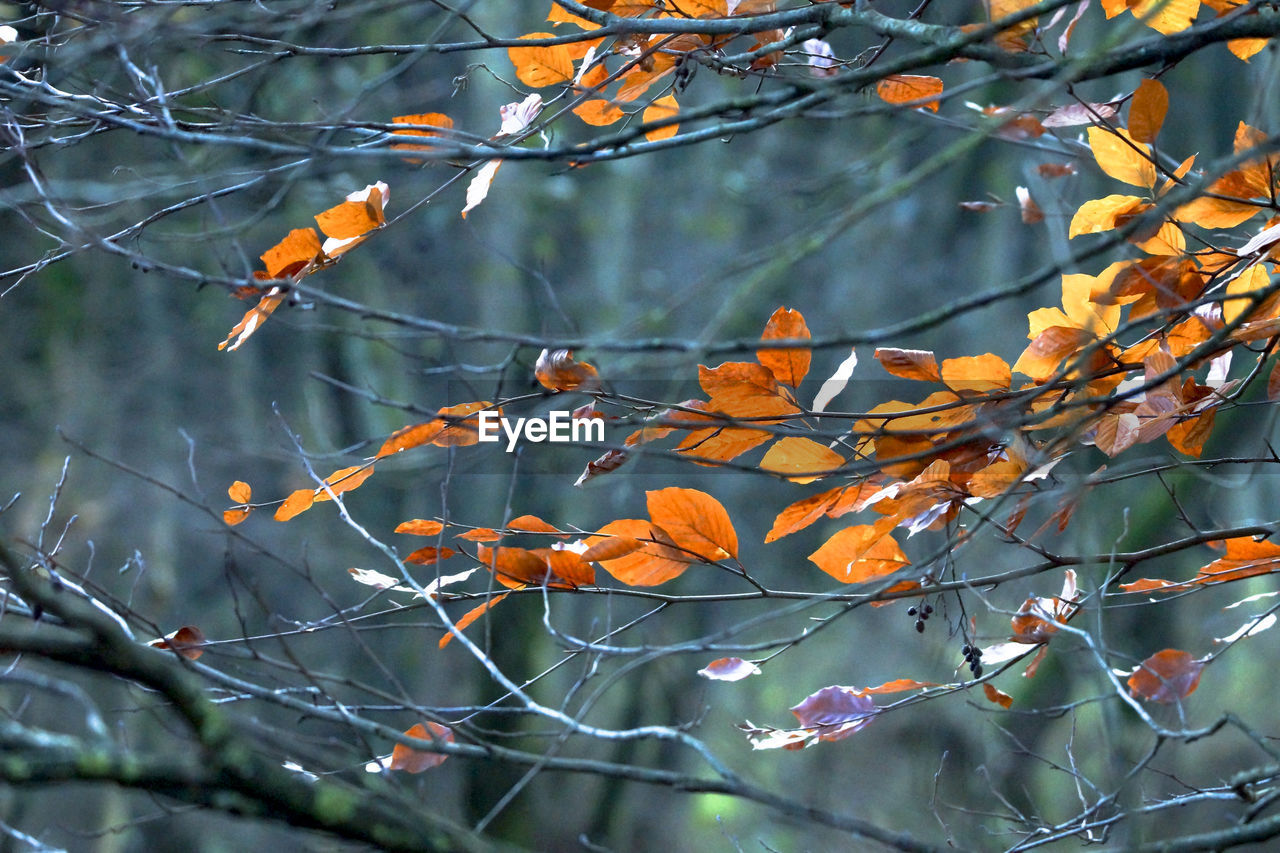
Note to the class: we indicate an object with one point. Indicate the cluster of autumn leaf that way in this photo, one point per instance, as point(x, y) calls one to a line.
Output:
point(1138, 352)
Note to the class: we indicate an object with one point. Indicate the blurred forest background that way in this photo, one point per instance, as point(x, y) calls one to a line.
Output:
point(115, 366)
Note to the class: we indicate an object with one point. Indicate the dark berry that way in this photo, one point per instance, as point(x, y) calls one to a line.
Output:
point(928, 609)
point(966, 650)
point(920, 625)
point(911, 611)
point(977, 670)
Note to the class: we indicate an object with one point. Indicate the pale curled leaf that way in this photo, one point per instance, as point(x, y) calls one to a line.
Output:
point(729, 669)
point(836, 383)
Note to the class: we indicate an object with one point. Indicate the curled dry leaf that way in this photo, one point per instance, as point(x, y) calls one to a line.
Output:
point(835, 383)
point(729, 669)
point(558, 371)
point(1004, 700)
point(186, 641)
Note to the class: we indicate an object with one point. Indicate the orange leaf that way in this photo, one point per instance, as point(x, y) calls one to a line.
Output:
point(744, 390)
point(1004, 700)
point(655, 563)
point(611, 548)
point(360, 214)
point(696, 522)
point(480, 534)
point(439, 120)
point(298, 250)
point(908, 88)
point(233, 517)
point(429, 556)
point(661, 110)
point(789, 366)
point(296, 504)
point(253, 319)
point(470, 616)
point(186, 641)
point(557, 370)
point(541, 66)
point(414, 435)
point(344, 481)
point(803, 513)
point(240, 492)
point(463, 428)
point(420, 527)
point(909, 363)
point(416, 761)
point(898, 685)
point(1167, 676)
point(532, 524)
point(1147, 110)
point(859, 553)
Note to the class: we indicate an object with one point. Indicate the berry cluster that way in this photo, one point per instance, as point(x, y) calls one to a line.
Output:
point(973, 656)
point(921, 613)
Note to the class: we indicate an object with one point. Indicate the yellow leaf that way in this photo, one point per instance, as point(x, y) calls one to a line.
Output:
point(1121, 157)
point(1244, 49)
point(980, 373)
point(1165, 16)
point(1252, 279)
point(1104, 214)
point(800, 456)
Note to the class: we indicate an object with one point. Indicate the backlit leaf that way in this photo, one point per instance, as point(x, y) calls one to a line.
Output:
point(420, 527)
point(789, 366)
point(470, 616)
point(1147, 110)
point(859, 553)
point(1121, 157)
point(655, 563)
point(660, 110)
point(980, 373)
point(541, 66)
point(907, 88)
point(695, 521)
point(799, 456)
point(298, 250)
